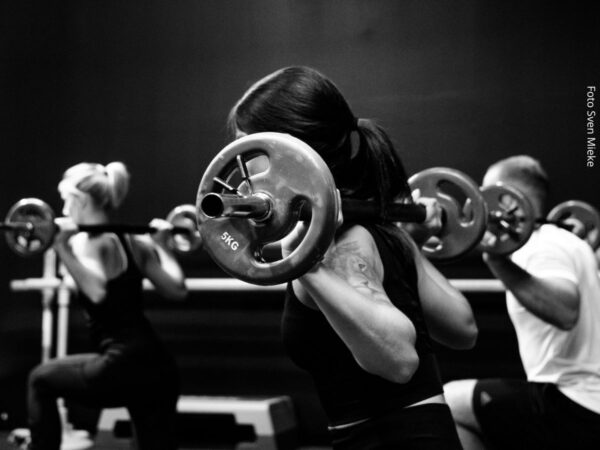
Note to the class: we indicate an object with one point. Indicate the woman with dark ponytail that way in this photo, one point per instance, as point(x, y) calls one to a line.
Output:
point(131, 367)
point(362, 321)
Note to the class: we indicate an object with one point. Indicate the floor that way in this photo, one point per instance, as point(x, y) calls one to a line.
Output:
point(123, 444)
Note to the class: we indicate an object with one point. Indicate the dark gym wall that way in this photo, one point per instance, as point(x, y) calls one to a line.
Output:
point(150, 83)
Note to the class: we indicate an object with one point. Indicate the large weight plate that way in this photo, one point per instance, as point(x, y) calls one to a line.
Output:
point(293, 176)
point(511, 219)
point(581, 217)
point(41, 234)
point(463, 207)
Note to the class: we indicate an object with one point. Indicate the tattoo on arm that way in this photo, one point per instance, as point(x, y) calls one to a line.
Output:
point(349, 262)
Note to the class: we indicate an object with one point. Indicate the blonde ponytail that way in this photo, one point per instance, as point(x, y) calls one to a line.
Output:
point(107, 185)
point(118, 183)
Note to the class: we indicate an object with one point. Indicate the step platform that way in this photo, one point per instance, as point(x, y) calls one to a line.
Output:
point(266, 423)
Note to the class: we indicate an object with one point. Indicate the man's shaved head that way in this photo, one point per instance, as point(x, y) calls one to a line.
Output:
point(526, 174)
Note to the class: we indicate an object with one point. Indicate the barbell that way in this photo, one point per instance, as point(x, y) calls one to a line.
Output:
point(30, 227)
point(512, 219)
point(580, 218)
point(258, 187)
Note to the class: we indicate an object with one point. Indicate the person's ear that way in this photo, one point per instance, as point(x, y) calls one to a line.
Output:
point(83, 200)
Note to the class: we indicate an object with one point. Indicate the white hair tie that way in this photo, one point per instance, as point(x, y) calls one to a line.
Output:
point(110, 176)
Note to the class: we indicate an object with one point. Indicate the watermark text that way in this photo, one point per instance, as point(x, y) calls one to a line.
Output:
point(590, 117)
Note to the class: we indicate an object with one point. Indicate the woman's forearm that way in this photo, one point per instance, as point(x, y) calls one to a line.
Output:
point(380, 336)
point(167, 276)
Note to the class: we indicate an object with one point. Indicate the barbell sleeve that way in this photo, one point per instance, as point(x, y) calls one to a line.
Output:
point(255, 206)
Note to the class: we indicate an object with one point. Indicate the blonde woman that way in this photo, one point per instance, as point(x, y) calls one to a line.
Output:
point(131, 367)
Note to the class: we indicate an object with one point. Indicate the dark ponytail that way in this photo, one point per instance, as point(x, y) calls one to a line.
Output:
point(304, 103)
point(384, 170)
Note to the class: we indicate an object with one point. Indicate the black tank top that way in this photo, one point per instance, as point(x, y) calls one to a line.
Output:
point(347, 392)
point(118, 320)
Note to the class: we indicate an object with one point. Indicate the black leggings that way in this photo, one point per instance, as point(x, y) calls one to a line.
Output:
point(148, 390)
point(423, 427)
point(519, 414)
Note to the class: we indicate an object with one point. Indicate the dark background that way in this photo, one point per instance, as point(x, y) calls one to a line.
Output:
point(150, 83)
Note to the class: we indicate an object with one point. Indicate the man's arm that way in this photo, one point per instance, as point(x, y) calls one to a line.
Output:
point(553, 299)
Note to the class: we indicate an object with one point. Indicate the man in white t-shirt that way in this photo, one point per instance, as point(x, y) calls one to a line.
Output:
point(553, 299)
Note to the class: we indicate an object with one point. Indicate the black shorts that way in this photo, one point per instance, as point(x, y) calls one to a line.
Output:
point(516, 414)
point(422, 427)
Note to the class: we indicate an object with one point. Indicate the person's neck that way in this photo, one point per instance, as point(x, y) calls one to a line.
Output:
point(96, 218)
point(538, 209)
